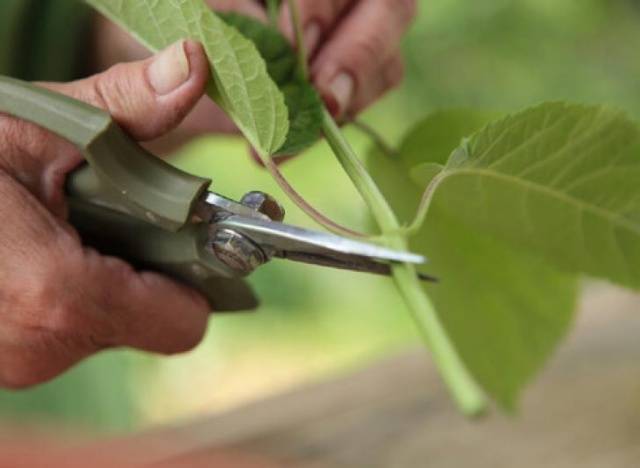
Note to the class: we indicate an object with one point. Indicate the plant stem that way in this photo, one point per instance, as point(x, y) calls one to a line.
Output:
point(303, 62)
point(466, 392)
point(305, 206)
point(273, 11)
point(375, 137)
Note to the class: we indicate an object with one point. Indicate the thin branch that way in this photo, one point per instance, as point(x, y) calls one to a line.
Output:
point(273, 11)
point(376, 138)
point(423, 208)
point(304, 205)
point(303, 60)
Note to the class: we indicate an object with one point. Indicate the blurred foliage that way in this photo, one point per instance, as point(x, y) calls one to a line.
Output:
point(494, 54)
point(95, 394)
point(509, 54)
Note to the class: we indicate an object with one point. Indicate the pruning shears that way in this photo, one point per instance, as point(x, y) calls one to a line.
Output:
point(127, 202)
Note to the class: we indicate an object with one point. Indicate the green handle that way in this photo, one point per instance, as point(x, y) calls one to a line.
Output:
point(127, 202)
point(122, 174)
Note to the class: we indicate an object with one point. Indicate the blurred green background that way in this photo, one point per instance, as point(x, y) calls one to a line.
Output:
point(494, 54)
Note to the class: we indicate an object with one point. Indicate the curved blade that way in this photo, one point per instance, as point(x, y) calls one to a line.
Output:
point(287, 239)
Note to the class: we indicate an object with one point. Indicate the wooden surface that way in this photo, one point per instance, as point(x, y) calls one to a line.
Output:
point(583, 411)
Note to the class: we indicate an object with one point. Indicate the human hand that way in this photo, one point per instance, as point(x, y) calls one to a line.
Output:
point(354, 50)
point(59, 301)
point(353, 45)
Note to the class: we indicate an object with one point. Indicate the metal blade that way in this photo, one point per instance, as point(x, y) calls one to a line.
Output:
point(290, 239)
point(352, 264)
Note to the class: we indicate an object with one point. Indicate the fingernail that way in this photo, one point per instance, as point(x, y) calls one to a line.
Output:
point(341, 89)
point(169, 70)
point(312, 35)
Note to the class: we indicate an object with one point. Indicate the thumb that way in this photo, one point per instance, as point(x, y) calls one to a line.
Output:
point(150, 97)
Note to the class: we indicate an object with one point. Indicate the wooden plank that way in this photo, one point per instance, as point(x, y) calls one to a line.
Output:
point(583, 412)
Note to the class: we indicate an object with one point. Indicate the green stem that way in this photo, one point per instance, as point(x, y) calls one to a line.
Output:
point(303, 62)
point(375, 137)
point(423, 208)
point(466, 392)
point(305, 206)
point(273, 11)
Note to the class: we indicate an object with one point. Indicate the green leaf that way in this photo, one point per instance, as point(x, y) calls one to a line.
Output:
point(241, 84)
point(303, 102)
point(504, 308)
point(438, 134)
point(558, 180)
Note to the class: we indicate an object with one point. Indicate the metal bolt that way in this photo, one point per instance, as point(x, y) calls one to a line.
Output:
point(265, 204)
point(238, 252)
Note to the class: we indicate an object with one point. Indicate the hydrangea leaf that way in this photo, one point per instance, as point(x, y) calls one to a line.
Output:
point(504, 308)
point(303, 102)
point(557, 180)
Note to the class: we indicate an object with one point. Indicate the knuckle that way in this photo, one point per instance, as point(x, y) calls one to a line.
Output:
point(61, 316)
point(98, 96)
point(125, 93)
point(65, 319)
point(121, 92)
point(119, 271)
point(41, 297)
point(50, 306)
point(111, 92)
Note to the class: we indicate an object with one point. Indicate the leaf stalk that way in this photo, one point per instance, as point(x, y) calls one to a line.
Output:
point(375, 137)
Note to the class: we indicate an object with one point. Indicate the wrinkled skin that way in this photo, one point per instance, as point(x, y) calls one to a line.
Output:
point(59, 301)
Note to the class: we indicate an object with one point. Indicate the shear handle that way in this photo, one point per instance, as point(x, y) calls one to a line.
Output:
point(122, 175)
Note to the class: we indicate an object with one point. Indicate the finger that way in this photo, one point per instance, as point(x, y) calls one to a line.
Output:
point(317, 18)
point(363, 43)
point(150, 97)
point(387, 78)
point(145, 310)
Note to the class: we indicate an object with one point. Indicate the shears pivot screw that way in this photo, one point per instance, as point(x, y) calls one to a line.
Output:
point(238, 252)
point(265, 204)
